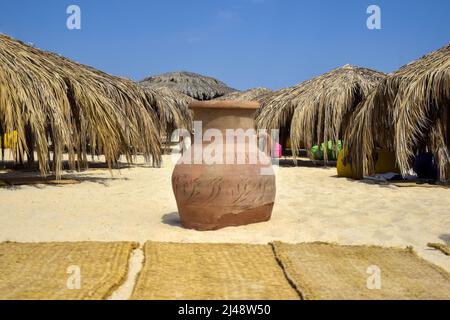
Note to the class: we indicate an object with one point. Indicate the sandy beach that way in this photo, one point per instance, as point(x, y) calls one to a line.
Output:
point(312, 204)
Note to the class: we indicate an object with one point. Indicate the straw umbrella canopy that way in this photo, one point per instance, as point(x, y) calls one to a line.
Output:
point(56, 106)
point(407, 113)
point(192, 84)
point(317, 111)
point(255, 94)
point(173, 111)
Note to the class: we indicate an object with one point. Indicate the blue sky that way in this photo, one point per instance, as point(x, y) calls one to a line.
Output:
point(246, 43)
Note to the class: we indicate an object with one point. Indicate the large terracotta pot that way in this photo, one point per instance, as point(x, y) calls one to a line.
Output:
point(213, 196)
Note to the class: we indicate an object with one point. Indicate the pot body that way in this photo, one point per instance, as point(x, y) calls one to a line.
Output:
point(235, 187)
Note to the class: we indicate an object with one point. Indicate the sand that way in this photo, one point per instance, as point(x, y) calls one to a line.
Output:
point(312, 204)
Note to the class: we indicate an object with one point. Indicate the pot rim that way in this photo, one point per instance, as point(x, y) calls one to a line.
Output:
point(224, 104)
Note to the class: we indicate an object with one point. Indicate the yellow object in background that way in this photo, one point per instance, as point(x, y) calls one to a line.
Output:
point(288, 143)
point(386, 162)
point(344, 170)
point(10, 139)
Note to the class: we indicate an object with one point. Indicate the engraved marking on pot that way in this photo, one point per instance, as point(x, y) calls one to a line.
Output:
point(181, 184)
point(192, 189)
point(194, 193)
point(216, 189)
point(185, 183)
point(262, 193)
point(242, 195)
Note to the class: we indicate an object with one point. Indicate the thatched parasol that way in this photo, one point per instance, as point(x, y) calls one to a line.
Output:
point(192, 84)
point(318, 110)
point(173, 111)
point(255, 94)
point(58, 106)
point(407, 113)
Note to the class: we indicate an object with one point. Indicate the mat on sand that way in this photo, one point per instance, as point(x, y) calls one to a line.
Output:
point(49, 270)
point(444, 248)
point(211, 271)
point(328, 271)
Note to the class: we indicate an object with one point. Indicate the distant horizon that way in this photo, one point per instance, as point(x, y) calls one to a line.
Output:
point(243, 43)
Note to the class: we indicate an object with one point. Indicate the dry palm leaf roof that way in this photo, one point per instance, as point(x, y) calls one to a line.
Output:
point(58, 106)
point(318, 110)
point(409, 112)
point(173, 110)
point(192, 84)
point(255, 94)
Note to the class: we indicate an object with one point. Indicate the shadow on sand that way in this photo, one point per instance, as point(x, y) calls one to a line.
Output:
point(381, 184)
point(445, 238)
point(11, 165)
point(288, 162)
point(172, 219)
point(17, 176)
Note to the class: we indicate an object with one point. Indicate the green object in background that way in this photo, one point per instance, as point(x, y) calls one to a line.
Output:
point(332, 151)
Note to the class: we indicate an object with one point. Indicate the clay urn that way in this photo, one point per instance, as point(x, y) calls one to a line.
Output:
point(224, 179)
